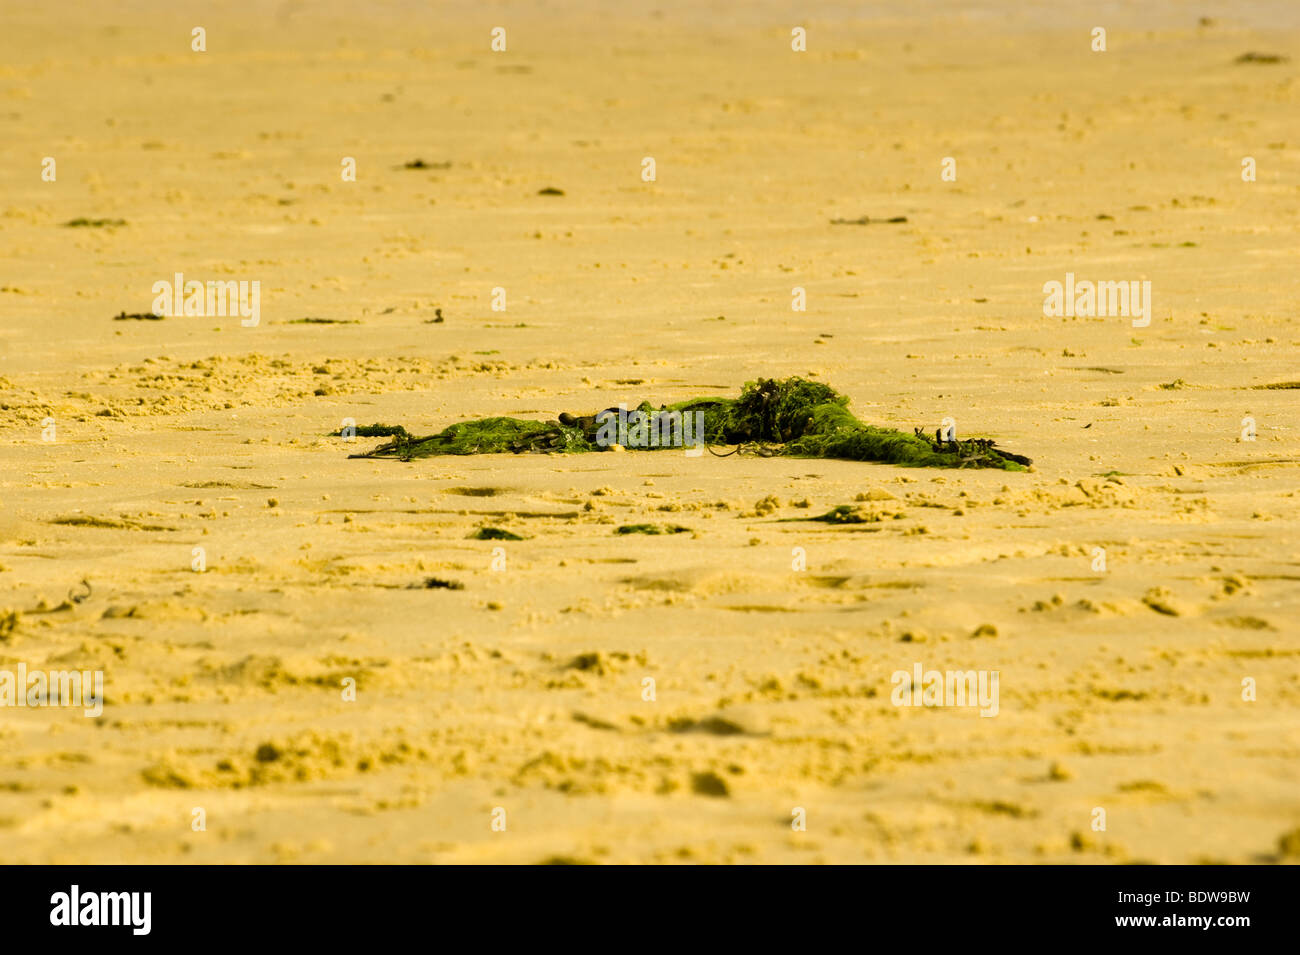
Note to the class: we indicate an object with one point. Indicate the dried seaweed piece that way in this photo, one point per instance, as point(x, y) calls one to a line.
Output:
point(652, 529)
point(437, 583)
point(375, 431)
point(867, 220)
point(1253, 57)
point(8, 624)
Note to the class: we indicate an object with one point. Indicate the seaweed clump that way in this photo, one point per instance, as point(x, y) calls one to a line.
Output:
point(791, 417)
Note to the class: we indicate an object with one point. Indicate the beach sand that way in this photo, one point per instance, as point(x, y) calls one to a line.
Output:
point(521, 699)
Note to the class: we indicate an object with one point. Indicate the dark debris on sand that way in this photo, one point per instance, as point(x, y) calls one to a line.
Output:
point(792, 417)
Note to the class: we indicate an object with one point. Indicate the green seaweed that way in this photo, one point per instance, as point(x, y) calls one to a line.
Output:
point(652, 529)
point(494, 534)
point(375, 431)
point(83, 223)
point(792, 417)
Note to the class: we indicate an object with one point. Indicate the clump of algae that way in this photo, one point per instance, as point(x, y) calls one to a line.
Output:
point(792, 417)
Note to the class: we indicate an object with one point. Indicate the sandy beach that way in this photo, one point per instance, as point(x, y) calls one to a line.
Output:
point(282, 682)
